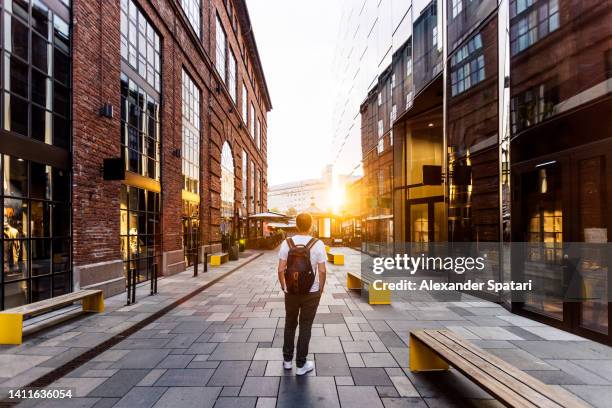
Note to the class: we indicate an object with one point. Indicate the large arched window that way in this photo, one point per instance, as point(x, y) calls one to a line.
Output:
point(227, 182)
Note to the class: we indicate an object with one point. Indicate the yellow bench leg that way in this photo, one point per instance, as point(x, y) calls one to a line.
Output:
point(11, 328)
point(423, 359)
point(379, 297)
point(94, 303)
point(339, 259)
point(352, 282)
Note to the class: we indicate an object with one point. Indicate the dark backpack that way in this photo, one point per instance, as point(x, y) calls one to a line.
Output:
point(299, 275)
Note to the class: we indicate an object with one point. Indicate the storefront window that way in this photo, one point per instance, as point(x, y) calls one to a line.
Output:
point(36, 237)
point(140, 231)
point(191, 230)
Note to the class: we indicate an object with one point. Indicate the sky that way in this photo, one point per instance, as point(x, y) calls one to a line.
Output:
point(296, 42)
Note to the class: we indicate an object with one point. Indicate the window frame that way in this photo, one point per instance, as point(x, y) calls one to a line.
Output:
point(190, 132)
point(220, 52)
point(189, 8)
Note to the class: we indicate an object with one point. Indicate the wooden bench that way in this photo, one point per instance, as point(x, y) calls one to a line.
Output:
point(334, 258)
point(219, 258)
point(11, 320)
point(375, 296)
point(437, 349)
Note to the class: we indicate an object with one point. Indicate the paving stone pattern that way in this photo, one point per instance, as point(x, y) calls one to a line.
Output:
point(222, 348)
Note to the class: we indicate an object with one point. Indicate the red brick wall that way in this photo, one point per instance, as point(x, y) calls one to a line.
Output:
point(96, 202)
point(95, 81)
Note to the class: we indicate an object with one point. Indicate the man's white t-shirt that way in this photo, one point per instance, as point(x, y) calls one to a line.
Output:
point(317, 255)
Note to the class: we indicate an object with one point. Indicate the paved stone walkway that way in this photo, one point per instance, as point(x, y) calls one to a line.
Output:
point(44, 351)
point(222, 348)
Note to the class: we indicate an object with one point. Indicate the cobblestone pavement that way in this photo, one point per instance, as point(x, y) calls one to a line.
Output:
point(222, 348)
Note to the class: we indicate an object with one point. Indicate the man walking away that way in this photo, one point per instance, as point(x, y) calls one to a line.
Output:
point(301, 273)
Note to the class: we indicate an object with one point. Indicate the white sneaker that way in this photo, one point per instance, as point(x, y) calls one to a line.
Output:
point(307, 367)
point(287, 365)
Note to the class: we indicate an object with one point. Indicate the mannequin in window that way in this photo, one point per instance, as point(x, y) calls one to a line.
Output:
point(12, 248)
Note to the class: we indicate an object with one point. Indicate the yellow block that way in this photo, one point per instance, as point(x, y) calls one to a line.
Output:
point(422, 358)
point(327, 248)
point(216, 260)
point(379, 297)
point(94, 303)
point(338, 259)
point(352, 282)
point(11, 328)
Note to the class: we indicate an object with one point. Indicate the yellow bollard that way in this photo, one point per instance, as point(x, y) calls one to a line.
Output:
point(11, 328)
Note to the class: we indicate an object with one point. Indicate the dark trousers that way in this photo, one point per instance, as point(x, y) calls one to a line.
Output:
point(304, 309)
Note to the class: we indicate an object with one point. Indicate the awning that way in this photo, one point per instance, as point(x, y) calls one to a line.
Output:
point(281, 225)
point(379, 217)
point(269, 216)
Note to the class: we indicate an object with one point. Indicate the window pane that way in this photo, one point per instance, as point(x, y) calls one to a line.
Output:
point(61, 34)
point(61, 185)
point(40, 18)
point(40, 124)
point(15, 177)
point(41, 289)
point(61, 100)
point(61, 284)
point(61, 220)
point(17, 41)
point(61, 255)
point(40, 53)
point(17, 77)
point(40, 181)
point(61, 66)
point(61, 132)
point(15, 258)
point(15, 294)
point(41, 257)
point(41, 89)
point(39, 222)
point(15, 218)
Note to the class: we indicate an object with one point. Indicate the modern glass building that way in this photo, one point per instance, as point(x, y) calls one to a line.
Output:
point(496, 116)
point(35, 146)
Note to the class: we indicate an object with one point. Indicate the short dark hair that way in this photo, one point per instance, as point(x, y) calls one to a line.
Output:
point(303, 222)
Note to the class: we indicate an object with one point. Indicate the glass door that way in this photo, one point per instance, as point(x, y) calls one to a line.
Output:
point(561, 216)
point(542, 228)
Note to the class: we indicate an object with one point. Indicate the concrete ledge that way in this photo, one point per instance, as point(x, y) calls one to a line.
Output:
point(109, 288)
point(173, 262)
point(106, 276)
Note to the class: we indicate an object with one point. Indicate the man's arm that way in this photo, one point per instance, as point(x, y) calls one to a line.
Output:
point(282, 265)
point(322, 268)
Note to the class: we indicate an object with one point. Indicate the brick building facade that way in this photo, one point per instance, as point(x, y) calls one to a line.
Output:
point(174, 91)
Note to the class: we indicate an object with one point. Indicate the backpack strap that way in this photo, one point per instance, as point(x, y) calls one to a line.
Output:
point(290, 243)
point(311, 243)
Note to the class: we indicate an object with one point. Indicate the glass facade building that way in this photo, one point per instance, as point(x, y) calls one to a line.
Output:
point(494, 113)
point(35, 146)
